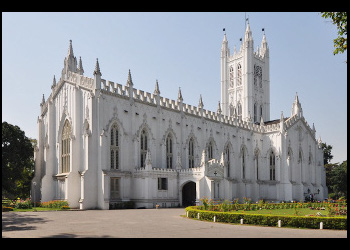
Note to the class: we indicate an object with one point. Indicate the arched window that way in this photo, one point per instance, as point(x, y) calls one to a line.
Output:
point(257, 165)
point(210, 150)
point(231, 77)
point(310, 158)
point(300, 160)
point(260, 77)
point(239, 109)
point(227, 159)
point(255, 75)
point(169, 151)
point(114, 147)
point(261, 111)
point(255, 112)
point(143, 147)
point(65, 144)
point(191, 153)
point(231, 109)
point(239, 75)
point(272, 167)
point(289, 163)
point(243, 163)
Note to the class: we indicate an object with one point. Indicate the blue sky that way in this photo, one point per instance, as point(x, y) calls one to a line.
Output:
point(179, 49)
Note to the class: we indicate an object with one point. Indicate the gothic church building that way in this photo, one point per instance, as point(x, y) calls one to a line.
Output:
point(102, 143)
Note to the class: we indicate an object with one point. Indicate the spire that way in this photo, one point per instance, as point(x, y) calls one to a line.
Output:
point(53, 82)
point(70, 49)
point(282, 122)
point(70, 62)
point(296, 107)
point(224, 47)
point(179, 96)
point(261, 121)
point(248, 33)
point(80, 67)
point(219, 108)
point(156, 90)
point(319, 141)
point(129, 81)
point(200, 105)
point(42, 101)
point(97, 68)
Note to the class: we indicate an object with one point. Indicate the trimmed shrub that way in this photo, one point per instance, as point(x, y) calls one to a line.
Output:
point(339, 223)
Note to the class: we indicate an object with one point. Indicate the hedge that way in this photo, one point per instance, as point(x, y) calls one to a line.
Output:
point(339, 223)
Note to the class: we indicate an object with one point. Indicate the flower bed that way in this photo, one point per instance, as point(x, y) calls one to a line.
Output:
point(26, 205)
point(295, 214)
point(339, 223)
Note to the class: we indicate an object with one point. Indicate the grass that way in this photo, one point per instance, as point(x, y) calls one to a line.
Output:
point(291, 211)
point(36, 209)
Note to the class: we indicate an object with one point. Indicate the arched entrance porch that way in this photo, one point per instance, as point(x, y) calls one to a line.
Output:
point(189, 194)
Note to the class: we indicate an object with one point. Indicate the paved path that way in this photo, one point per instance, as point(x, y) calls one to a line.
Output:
point(139, 223)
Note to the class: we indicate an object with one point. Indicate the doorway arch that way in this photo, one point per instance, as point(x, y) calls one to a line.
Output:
point(189, 194)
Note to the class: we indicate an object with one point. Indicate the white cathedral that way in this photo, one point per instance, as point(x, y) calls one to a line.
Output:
point(103, 143)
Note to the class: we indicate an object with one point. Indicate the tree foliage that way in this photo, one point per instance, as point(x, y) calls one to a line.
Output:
point(336, 174)
point(340, 19)
point(327, 153)
point(17, 162)
point(339, 179)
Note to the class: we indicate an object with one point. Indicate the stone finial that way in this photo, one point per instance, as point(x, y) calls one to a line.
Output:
point(200, 105)
point(219, 108)
point(179, 96)
point(97, 68)
point(80, 69)
point(42, 101)
point(129, 81)
point(53, 82)
point(156, 89)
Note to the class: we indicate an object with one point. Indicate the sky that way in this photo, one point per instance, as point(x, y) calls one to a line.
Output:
point(179, 49)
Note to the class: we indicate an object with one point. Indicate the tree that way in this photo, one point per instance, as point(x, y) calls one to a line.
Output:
point(339, 179)
point(340, 19)
point(327, 154)
point(17, 162)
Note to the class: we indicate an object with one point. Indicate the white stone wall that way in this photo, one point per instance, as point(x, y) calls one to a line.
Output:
point(93, 105)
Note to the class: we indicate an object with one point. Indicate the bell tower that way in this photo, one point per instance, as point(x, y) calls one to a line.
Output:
point(245, 79)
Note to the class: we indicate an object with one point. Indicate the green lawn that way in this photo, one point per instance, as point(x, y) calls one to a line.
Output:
point(291, 211)
point(36, 209)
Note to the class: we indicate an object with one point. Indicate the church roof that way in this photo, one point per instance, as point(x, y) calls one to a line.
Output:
point(273, 121)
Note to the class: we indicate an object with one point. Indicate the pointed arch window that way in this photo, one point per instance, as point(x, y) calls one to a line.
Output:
point(114, 147)
point(191, 153)
point(231, 77)
point(255, 112)
point(272, 166)
point(239, 75)
point(310, 158)
point(143, 147)
point(255, 76)
point(65, 150)
point(239, 109)
point(243, 163)
point(257, 164)
point(169, 151)
point(231, 109)
point(210, 150)
point(261, 111)
point(227, 159)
